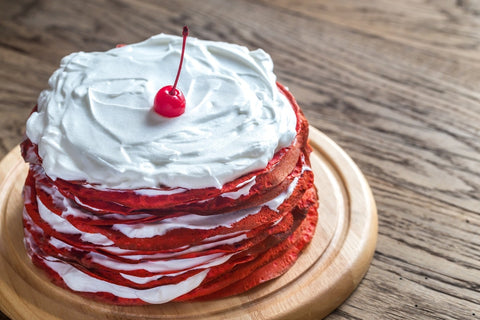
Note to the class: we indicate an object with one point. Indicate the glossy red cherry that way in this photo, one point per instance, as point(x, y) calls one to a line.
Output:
point(168, 104)
point(169, 101)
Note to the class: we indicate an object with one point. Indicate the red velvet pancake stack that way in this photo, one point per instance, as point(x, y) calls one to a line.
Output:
point(146, 246)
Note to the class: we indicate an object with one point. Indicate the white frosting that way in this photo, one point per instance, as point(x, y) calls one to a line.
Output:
point(199, 222)
point(193, 249)
point(156, 263)
point(187, 221)
point(244, 189)
point(95, 123)
point(62, 225)
point(158, 192)
point(162, 266)
point(140, 280)
point(144, 258)
point(82, 282)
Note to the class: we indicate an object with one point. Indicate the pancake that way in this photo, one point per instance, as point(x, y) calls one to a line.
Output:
point(206, 205)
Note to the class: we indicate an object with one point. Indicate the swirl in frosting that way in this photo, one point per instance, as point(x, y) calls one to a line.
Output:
point(96, 123)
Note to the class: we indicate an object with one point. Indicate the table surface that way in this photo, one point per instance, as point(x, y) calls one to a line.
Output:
point(395, 83)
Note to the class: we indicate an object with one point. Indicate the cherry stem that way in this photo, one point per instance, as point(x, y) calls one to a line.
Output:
point(185, 34)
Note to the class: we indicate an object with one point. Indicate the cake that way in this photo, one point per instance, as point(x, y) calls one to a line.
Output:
point(124, 206)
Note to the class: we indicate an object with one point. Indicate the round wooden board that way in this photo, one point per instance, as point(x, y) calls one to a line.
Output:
point(326, 273)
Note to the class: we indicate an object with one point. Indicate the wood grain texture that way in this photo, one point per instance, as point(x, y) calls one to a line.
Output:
point(395, 83)
point(328, 270)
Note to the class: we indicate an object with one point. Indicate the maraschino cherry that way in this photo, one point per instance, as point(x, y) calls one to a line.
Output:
point(169, 101)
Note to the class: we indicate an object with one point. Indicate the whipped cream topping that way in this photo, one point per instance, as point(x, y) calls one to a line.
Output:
point(95, 122)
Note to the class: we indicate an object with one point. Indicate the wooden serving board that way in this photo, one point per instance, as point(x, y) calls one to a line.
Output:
point(326, 273)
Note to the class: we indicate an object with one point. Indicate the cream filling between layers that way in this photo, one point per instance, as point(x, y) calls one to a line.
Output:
point(82, 282)
point(159, 228)
point(62, 225)
point(79, 281)
point(199, 222)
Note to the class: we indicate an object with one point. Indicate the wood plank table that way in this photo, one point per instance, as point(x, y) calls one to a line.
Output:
point(395, 83)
